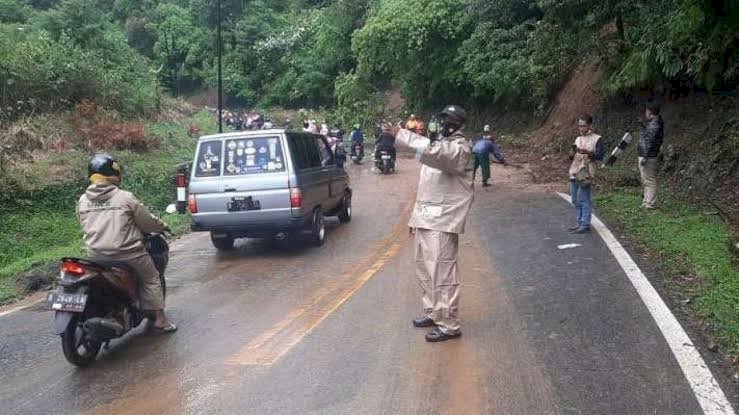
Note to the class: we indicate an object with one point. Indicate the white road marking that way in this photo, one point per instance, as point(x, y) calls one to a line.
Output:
point(13, 310)
point(568, 246)
point(707, 391)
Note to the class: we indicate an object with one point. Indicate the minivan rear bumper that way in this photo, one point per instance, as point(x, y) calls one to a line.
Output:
point(256, 228)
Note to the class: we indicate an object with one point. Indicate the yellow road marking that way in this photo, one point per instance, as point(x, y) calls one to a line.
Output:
point(271, 345)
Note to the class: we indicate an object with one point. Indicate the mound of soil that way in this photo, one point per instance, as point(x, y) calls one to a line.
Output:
point(580, 94)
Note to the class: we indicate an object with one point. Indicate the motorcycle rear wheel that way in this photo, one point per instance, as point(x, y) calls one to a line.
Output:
point(77, 351)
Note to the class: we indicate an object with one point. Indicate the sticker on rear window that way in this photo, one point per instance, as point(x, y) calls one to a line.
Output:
point(208, 162)
point(253, 155)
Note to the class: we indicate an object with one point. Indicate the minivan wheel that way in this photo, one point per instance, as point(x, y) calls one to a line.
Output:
point(318, 229)
point(345, 213)
point(222, 243)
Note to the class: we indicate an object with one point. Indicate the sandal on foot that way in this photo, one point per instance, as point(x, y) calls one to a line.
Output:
point(169, 328)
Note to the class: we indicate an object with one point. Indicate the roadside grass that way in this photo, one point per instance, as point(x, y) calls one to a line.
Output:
point(693, 248)
point(38, 226)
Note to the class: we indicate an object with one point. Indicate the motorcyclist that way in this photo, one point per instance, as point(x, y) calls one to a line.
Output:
point(114, 223)
point(385, 141)
point(357, 137)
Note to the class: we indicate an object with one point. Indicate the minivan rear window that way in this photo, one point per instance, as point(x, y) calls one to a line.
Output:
point(253, 155)
point(208, 163)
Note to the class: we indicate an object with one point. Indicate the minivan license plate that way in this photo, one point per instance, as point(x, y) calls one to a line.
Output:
point(66, 302)
point(243, 203)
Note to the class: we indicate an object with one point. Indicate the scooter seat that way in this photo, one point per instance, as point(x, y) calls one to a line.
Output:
point(103, 263)
point(112, 263)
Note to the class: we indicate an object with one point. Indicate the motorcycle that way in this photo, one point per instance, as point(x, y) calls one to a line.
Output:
point(385, 161)
point(357, 153)
point(97, 302)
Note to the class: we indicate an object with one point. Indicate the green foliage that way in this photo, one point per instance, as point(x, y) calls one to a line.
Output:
point(38, 225)
point(43, 73)
point(415, 44)
point(14, 11)
point(290, 59)
point(179, 44)
point(678, 39)
point(687, 242)
point(357, 102)
point(295, 53)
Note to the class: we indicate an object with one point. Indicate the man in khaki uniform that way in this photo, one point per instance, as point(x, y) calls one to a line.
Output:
point(114, 222)
point(442, 203)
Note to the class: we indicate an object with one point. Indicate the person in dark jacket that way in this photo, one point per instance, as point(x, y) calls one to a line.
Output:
point(649, 147)
point(385, 141)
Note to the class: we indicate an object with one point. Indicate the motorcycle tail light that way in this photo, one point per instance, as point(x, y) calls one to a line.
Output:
point(74, 269)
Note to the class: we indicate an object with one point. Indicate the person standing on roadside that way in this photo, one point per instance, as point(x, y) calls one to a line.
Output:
point(443, 200)
point(482, 149)
point(649, 147)
point(588, 149)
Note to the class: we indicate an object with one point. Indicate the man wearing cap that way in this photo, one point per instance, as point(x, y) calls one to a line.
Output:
point(482, 149)
point(443, 200)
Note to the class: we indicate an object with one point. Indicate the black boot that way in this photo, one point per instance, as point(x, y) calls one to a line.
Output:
point(423, 322)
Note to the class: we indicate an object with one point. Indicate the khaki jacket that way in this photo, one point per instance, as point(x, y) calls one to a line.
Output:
point(113, 222)
point(444, 192)
point(584, 142)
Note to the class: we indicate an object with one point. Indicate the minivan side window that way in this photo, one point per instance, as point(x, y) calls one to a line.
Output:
point(304, 151)
point(297, 150)
point(311, 146)
point(324, 152)
point(208, 163)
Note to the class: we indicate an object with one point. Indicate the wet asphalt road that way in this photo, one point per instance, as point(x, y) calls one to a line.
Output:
point(327, 330)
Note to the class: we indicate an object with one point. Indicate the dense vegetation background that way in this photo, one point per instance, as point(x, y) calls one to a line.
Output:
point(514, 54)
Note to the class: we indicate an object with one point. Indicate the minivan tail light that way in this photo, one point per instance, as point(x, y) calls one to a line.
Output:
point(73, 269)
point(296, 198)
point(192, 204)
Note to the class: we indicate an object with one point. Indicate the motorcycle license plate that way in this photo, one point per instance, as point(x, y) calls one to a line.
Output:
point(243, 203)
point(66, 302)
point(386, 157)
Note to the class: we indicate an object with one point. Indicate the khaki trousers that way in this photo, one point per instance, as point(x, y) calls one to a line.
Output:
point(436, 269)
point(648, 173)
point(150, 288)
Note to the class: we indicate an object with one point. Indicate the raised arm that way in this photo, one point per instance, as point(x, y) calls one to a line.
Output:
point(449, 155)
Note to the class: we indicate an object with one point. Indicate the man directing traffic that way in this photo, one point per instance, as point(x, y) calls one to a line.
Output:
point(442, 203)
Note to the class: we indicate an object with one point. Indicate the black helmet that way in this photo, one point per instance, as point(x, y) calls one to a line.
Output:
point(104, 165)
point(454, 113)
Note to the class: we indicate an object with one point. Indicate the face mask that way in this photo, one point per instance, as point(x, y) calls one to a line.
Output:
point(448, 128)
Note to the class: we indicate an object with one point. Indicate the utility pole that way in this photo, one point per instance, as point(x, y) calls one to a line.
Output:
point(220, 74)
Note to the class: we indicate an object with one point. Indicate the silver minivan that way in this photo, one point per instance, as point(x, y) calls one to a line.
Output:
point(266, 184)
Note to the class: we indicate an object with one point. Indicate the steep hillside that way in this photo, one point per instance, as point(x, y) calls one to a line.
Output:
point(701, 150)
